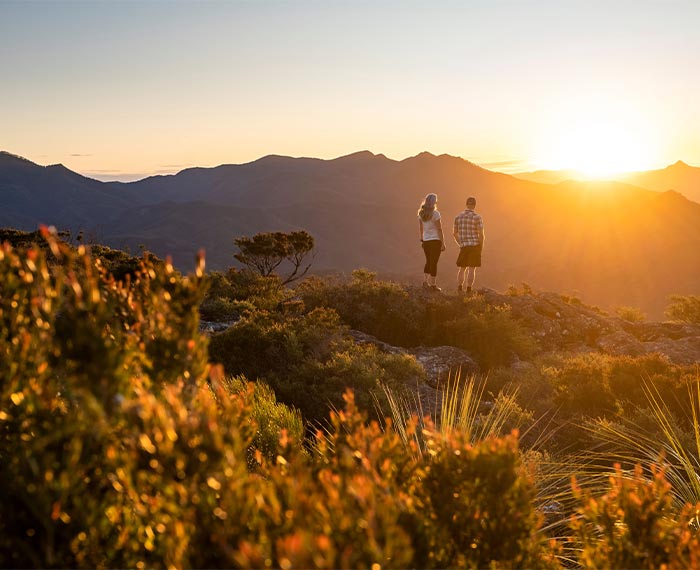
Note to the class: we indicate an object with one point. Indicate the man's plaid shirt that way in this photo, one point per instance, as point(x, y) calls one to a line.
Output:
point(467, 226)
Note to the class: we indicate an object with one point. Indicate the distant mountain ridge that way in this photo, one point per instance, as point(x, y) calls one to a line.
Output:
point(679, 176)
point(614, 243)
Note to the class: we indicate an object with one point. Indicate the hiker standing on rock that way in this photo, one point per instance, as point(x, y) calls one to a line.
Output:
point(469, 235)
point(431, 238)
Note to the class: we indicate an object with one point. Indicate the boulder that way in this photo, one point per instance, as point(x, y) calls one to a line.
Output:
point(685, 351)
point(619, 343)
point(212, 327)
point(444, 362)
point(439, 362)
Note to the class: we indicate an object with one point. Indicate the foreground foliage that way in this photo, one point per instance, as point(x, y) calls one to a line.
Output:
point(633, 525)
point(122, 446)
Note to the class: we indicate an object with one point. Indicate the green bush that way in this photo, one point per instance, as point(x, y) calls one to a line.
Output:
point(271, 418)
point(400, 317)
point(595, 384)
point(631, 314)
point(308, 361)
point(247, 286)
point(85, 362)
point(490, 335)
point(462, 504)
point(380, 308)
point(116, 262)
point(533, 386)
point(480, 502)
point(684, 308)
point(220, 309)
point(634, 525)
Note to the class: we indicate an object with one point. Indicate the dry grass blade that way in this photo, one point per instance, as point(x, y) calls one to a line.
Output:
point(630, 444)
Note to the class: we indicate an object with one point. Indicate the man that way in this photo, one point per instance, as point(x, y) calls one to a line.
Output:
point(469, 235)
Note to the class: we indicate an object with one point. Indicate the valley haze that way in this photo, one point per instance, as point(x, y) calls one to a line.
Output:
point(631, 242)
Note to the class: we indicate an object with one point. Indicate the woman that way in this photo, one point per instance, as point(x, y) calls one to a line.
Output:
point(432, 239)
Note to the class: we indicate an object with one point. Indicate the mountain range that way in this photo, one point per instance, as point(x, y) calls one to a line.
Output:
point(679, 176)
point(613, 243)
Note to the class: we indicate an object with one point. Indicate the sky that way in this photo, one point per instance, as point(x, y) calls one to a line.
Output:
point(119, 90)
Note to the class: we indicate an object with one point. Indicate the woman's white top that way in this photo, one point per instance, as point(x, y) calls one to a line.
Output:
point(430, 231)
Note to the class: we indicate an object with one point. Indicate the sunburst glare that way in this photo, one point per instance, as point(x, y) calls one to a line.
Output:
point(598, 139)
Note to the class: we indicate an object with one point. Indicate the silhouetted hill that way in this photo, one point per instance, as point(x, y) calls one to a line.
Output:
point(550, 176)
point(613, 243)
point(680, 177)
point(31, 194)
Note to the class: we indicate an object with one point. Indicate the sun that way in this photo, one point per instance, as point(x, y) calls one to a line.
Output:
point(599, 150)
point(596, 139)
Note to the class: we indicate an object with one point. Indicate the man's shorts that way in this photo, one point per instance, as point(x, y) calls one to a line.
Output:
point(470, 256)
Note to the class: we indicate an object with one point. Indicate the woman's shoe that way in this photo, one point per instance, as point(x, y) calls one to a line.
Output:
point(435, 288)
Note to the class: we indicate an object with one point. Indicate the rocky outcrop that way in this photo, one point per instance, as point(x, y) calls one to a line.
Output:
point(211, 327)
point(439, 362)
point(442, 363)
point(561, 323)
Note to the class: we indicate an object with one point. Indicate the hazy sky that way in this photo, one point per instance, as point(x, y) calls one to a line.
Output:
point(118, 89)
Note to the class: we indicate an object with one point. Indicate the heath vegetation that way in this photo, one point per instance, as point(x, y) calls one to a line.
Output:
point(128, 438)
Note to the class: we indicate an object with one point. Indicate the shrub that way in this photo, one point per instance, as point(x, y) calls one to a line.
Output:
point(633, 525)
point(631, 314)
point(220, 309)
point(271, 418)
point(602, 385)
point(380, 308)
point(393, 314)
point(513, 291)
point(685, 309)
point(490, 335)
point(86, 365)
point(628, 374)
point(307, 360)
point(655, 430)
point(116, 262)
point(245, 286)
point(481, 506)
point(532, 386)
point(117, 449)
point(463, 504)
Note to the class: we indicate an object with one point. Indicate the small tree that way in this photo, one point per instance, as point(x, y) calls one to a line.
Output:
point(265, 252)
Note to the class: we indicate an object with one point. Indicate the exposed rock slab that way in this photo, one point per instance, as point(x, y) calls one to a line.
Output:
point(560, 323)
point(211, 327)
point(444, 362)
point(439, 362)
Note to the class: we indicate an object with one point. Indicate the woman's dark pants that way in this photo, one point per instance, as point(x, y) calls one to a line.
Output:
point(432, 250)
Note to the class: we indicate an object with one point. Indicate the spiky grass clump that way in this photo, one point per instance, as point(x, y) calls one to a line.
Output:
point(459, 408)
point(674, 442)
